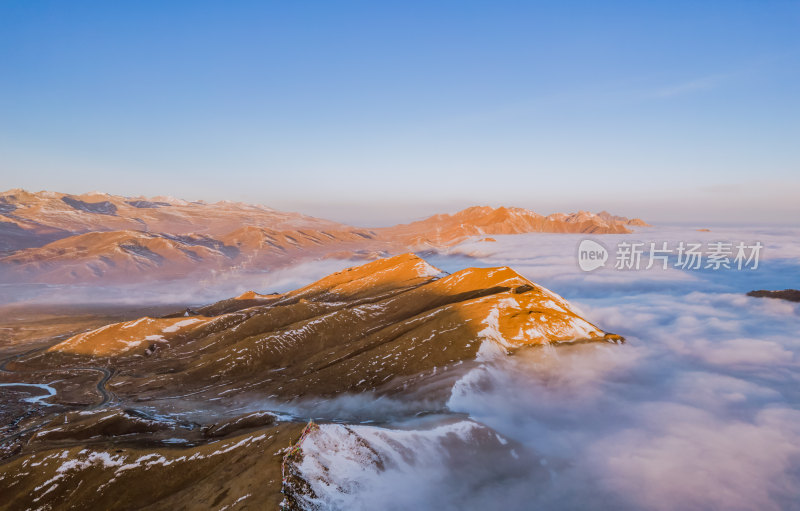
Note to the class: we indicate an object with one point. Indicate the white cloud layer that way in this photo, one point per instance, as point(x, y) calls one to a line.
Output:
point(700, 409)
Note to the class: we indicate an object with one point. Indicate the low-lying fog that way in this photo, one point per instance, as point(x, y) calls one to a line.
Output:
point(700, 409)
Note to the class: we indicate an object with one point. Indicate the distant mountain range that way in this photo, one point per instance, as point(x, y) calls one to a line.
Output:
point(53, 237)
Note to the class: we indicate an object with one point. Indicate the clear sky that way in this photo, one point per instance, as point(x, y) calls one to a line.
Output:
point(371, 112)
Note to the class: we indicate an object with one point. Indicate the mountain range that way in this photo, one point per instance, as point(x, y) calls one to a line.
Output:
point(52, 237)
point(209, 408)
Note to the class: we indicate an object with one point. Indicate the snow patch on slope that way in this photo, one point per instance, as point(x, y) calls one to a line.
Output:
point(365, 467)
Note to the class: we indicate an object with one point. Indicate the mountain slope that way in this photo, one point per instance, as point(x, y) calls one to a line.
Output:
point(118, 255)
point(366, 328)
point(198, 411)
point(52, 212)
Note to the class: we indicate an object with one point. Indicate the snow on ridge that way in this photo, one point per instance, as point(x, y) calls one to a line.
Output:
point(116, 464)
point(558, 324)
point(340, 462)
point(493, 342)
point(425, 269)
point(132, 324)
point(180, 324)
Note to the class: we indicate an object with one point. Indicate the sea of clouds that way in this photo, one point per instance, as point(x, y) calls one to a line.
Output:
point(699, 409)
point(195, 290)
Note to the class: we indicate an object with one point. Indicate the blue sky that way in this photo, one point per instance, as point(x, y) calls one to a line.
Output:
point(372, 112)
